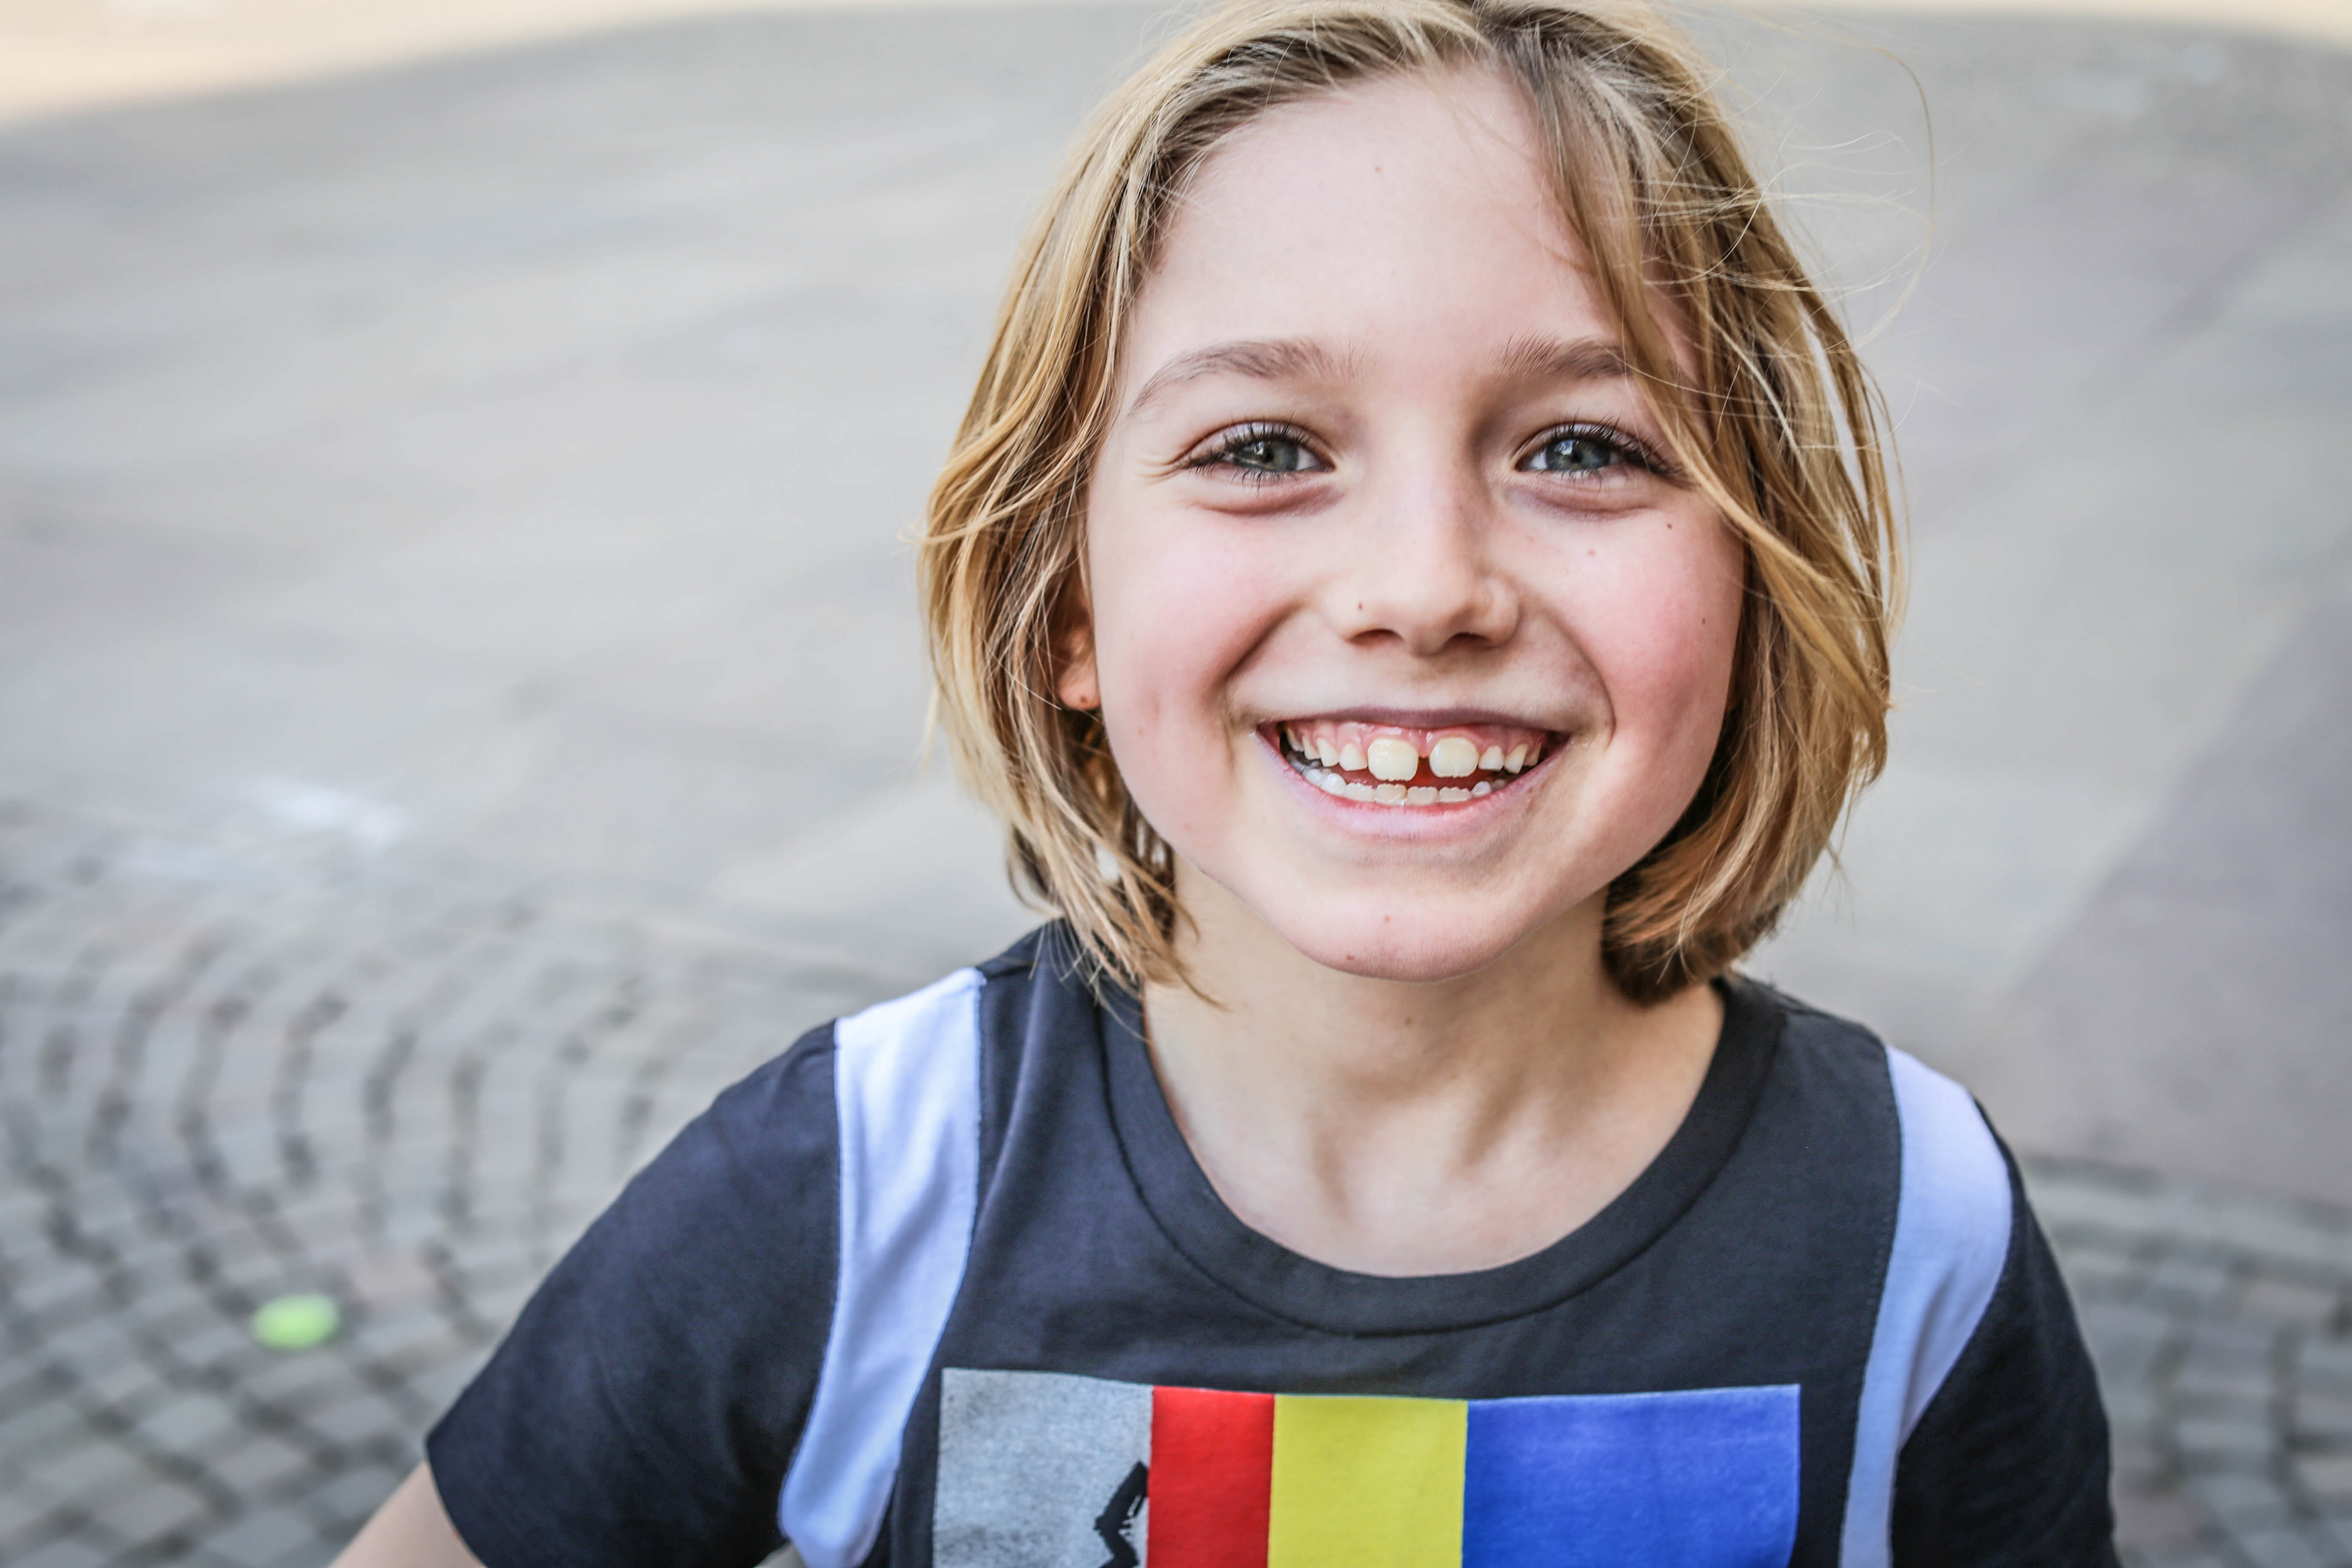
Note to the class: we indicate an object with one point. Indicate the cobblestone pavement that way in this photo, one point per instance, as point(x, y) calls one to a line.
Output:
point(227, 1076)
point(229, 1072)
point(2222, 1325)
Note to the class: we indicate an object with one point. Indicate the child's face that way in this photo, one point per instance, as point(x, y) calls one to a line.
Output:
point(1399, 633)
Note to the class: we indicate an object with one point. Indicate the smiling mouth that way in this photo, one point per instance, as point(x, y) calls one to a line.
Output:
point(1394, 764)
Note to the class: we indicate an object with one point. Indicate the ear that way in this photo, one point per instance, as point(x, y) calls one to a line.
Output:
point(1074, 681)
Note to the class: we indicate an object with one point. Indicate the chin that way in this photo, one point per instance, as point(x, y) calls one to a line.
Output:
point(1413, 947)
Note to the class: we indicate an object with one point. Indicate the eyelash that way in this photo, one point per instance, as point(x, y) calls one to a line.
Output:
point(1226, 445)
point(1629, 448)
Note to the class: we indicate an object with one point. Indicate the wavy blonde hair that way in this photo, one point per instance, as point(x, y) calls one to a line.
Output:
point(1769, 411)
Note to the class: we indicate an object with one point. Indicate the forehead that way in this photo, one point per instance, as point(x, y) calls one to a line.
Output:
point(1415, 207)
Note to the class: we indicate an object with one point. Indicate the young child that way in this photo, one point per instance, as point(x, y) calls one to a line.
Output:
point(1416, 578)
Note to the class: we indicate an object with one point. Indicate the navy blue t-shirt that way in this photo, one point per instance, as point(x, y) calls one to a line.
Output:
point(942, 1285)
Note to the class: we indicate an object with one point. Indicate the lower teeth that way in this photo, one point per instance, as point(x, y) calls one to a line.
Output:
point(1331, 783)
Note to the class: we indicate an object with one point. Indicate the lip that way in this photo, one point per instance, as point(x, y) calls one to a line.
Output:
point(1417, 824)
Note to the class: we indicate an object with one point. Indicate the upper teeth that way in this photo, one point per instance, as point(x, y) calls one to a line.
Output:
point(1452, 758)
point(1327, 750)
point(1392, 761)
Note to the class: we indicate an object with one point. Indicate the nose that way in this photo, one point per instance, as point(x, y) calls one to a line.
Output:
point(1420, 566)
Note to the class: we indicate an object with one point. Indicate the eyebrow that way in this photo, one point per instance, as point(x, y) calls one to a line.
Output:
point(1296, 359)
point(1260, 359)
point(1568, 359)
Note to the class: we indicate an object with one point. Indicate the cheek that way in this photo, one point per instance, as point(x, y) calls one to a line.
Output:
point(1179, 605)
point(1661, 627)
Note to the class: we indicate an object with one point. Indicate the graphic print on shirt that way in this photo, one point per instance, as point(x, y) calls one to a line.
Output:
point(1050, 1471)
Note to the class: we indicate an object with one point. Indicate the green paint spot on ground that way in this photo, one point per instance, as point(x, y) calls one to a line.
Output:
point(296, 1322)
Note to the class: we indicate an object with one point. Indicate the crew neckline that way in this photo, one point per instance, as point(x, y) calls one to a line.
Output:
point(1313, 1295)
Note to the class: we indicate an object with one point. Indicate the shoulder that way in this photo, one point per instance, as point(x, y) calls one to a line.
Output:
point(779, 1268)
point(1955, 1196)
point(1953, 1181)
point(1975, 1344)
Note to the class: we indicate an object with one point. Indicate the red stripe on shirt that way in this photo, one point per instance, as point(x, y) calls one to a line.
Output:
point(1212, 1479)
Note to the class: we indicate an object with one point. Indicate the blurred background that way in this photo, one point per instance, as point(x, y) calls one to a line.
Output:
point(461, 702)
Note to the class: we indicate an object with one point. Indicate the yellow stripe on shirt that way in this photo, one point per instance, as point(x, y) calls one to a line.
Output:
point(1359, 1482)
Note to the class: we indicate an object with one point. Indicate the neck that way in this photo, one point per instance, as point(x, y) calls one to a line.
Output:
point(1411, 1126)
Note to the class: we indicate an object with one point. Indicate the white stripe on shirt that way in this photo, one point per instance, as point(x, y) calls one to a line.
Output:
point(907, 1089)
point(1952, 1225)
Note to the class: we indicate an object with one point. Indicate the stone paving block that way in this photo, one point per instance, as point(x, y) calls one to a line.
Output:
point(2333, 1530)
point(2153, 1519)
point(2281, 1546)
point(353, 1420)
point(152, 1512)
point(85, 1471)
point(2206, 1389)
point(354, 1494)
point(129, 1388)
point(71, 1551)
point(262, 1536)
point(23, 1384)
point(299, 1383)
point(177, 1319)
point(2096, 1273)
point(92, 1347)
point(2327, 1364)
point(259, 1464)
point(2224, 1341)
point(186, 1421)
point(65, 1284)
point(232, 1238)
point(2294, 1301)
point(217, 1344)
point(2239, 1499)
point(20, 1509)
point(411, 1331)
point(2180, 1556)
point(38, 1428)
point(2189, 1279)
point(2125, 1337)
point(499, 1306)
point(2323, 1418)
point(310, 1554)
point(2328, 1477)
point(105, 1210)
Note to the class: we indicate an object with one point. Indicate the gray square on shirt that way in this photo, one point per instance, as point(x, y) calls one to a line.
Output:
point(1029, 1463)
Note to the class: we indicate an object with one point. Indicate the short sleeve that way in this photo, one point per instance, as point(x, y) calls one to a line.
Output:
point(2008, 1462)
point(644, 1408)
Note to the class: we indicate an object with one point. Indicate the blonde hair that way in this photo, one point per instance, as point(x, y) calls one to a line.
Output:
point(1770, 413)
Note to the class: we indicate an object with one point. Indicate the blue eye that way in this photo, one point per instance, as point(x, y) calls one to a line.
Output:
point(1258, 452)
point(1270, 455)
point(1576, 452)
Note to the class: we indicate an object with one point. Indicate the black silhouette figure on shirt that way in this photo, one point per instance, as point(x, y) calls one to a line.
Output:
point(1117, 1517)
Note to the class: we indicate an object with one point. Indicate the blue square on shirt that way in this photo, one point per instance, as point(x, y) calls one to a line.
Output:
point(1706, 1479)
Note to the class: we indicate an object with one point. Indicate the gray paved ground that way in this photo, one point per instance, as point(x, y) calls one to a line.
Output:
point(458, 696)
